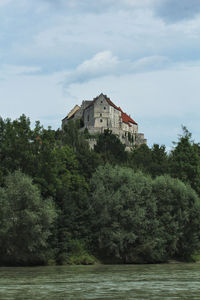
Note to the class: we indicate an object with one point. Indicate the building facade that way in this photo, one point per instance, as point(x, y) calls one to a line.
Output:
point(100, 114)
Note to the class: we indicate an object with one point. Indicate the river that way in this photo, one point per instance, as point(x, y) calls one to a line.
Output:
point(160, 281)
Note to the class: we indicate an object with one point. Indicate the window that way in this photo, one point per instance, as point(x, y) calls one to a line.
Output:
point(104, 107)
point(101, 120)
point(88, 118)
point(100, 115)
point(101, 101)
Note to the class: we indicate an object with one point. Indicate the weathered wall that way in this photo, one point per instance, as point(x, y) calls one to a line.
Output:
point(100, 115)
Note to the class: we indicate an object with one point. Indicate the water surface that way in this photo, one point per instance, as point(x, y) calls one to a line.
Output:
point(162, 281)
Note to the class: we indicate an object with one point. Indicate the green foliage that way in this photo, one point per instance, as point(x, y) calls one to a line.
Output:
point(79, 255)
point(195, 257)
point(73, 137)
point(123, 215)
point(152, 161)
point(25, 222)
point(178, 209)
point(110, 147)
point(137, 219)
point(140, 158)
point(185, 161)
point(15, 140)
point(88, 159)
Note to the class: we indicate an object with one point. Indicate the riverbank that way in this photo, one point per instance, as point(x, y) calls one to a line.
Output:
point(88, 259)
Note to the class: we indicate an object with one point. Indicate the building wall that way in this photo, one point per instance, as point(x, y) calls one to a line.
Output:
point(100, 115)
point(88, 116)
point(115, 117)
point(104, 115)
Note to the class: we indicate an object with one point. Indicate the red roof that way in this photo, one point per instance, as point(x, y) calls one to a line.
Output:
point(112, 104)
point(125, 118)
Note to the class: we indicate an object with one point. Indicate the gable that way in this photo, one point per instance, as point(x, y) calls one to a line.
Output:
point(125, 118)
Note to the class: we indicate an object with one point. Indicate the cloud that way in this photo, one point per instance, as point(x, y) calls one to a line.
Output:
point(99, 6)
point(159, 101)
point(101, 64)
point(38, 33)
point(106, 64)
point(4, 2)
point(177, 10)
point(12, 70)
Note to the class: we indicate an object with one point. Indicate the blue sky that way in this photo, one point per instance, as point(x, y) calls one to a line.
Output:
point(144, 54)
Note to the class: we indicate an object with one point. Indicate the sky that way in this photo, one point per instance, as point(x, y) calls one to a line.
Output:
point(143, 54)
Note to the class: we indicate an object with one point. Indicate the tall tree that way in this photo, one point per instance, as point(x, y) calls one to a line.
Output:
point(185, 161)
point(153, 161)
point(178, 212)
point(124, 216)
point(25, 221)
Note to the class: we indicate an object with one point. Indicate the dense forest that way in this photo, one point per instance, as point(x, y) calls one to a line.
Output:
point(63, 203)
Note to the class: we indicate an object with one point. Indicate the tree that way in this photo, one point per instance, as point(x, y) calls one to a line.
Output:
point(110, 147)
point(78, 141)
point(185, 161)
point(140, 158)
point(178, 212)
point(15, 144)
point(160, 162)
point(153, 161)
point(137, 219)
point(25, 222)
point(72, 136)
point(124, 216)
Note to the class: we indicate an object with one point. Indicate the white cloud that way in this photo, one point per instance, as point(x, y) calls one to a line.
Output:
point(106, 64)
point(99, 65)
point(128, 49)
point(62, 40)
point(160, 101)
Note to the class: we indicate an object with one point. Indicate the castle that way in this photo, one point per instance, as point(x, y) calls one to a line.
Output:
point(100, 114)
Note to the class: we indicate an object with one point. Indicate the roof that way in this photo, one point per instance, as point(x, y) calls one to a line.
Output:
point(72, 112)
point(125, 118)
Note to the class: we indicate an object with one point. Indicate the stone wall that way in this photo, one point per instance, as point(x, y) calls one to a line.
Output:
point(99, 115)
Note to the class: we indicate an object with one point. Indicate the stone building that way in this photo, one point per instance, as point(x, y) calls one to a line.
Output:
point(100, 114)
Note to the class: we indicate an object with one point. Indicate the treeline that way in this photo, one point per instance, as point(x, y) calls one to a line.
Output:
point(61, 202)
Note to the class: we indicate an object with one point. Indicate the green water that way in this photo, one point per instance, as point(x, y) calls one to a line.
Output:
point(165, 281)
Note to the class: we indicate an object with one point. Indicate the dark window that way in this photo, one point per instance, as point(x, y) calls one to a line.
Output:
point(88, 118)
point(100, 115)
point(101, 101)
point(101, 120)
point(104, 107)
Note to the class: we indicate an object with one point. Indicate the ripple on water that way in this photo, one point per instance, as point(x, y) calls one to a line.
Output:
point(116, 282)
